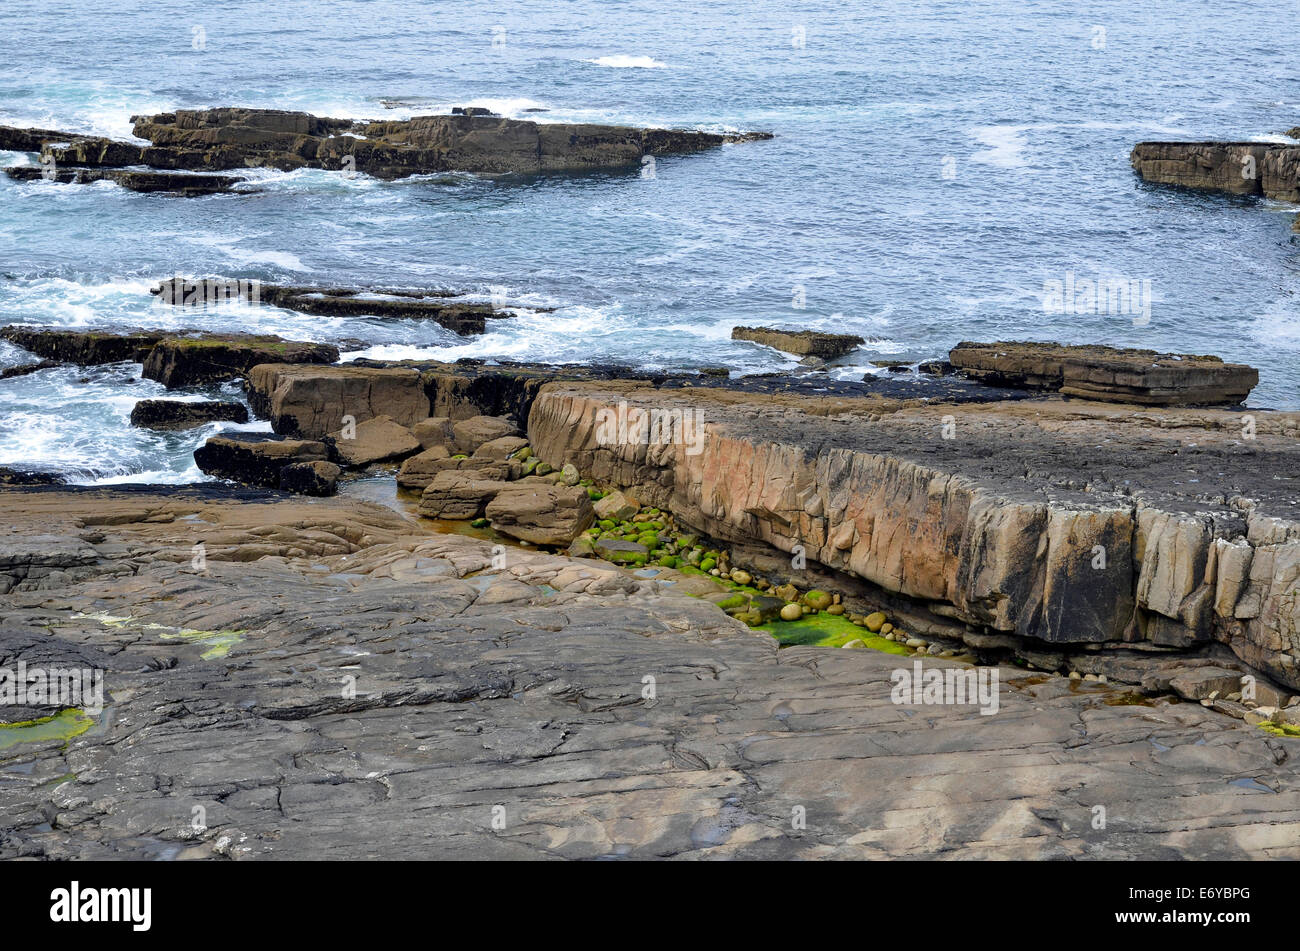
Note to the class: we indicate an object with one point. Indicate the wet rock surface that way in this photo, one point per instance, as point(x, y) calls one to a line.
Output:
point(178, 414)
point(332, 679)
point(185, 184)
point(255, 459)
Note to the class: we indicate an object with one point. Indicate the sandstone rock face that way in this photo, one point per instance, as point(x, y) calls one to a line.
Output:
point(541, 514)
point(310, 478)
point(503, 447)
point(312, 401)
point(477, 430)
point(802, 342)
point(210, 358)
point(83, 347)
point(1083, 535)
point(435, 432)
point(520, 686)
point(374, 440)
point(177, 414)
point(254, 458)
point(458, 495)
point(229, 138)
point(418, 471)
point(1108, 374)
point(1239, 168)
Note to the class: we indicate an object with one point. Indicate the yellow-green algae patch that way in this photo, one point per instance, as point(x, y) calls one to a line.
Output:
point(827, 630)
point(63, 725)
point(1279, 729)
point(219, 642)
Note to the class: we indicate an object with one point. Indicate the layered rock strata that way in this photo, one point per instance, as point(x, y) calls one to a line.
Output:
point(1108, 374)
point(1238, 168)
point(483, 690)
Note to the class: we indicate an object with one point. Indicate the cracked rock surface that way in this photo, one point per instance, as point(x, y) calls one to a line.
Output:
point(325, 679)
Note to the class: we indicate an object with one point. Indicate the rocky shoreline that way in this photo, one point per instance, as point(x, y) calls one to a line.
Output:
point(187, 146)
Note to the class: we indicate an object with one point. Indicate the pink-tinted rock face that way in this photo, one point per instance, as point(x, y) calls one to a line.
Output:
point(1066, 523)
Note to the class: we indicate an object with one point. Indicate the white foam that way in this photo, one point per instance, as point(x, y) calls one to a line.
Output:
point(622, 61)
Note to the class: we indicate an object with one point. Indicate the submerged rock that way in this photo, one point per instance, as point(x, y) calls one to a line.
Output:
point(178, 414)
point(176, 183)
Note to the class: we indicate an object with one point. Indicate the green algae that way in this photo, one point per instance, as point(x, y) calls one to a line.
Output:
point(218, 642)
point(827, 630)
point(1279, 729)
point(63, 726)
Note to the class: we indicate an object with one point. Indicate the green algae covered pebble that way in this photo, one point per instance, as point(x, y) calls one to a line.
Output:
point(817, 599)
point(708, 564)
point(791, 612)
point(479, 523)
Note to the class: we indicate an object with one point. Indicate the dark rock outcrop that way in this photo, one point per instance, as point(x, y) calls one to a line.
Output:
point(255, 458)
point(178, 414)
point(83, 347)
point(221, 139)
point(1239, 168)
point(1108, 374)
point(175, 183)
point(310, 478)
point(210, 358)
point(806, 343)
point(383, 302)
point(14, 139)
point(25, 368)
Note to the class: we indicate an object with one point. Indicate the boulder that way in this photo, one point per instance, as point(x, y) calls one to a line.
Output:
point(312, 401)
point(255, 458)
point(1197, 683)
point(310, 478)
point(474, 432)
point(458, 495)
point(541, 514)
point(212, 358)
point(372, 441)
point(178, 414)
point(435, 431)
point(418, 471)
point(1107, 374)
point(615, 505)
point(805, 343)
point(503, 447)
point(84, 347)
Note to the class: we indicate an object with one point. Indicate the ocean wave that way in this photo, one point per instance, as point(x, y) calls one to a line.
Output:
point(623, 61)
